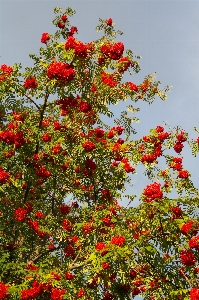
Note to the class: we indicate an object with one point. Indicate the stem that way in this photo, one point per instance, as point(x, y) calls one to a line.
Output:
point(53, 196)
point(26, 193)
point(31, 100)
point(95, 194)
point(186, 277)
point(161, 224)
point(34, 260)
point(61, 257)
point(78, 254)
point(42, 116)
point(37, 146)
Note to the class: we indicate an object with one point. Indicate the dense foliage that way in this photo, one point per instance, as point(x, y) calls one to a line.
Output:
point(63, 173)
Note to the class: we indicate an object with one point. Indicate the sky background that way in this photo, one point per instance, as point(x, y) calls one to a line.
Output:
point(164, 33)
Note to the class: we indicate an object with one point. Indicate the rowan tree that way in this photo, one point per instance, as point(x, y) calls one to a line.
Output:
point(64, 233)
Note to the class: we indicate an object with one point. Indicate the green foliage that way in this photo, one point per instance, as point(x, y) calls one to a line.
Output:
point(64, 171)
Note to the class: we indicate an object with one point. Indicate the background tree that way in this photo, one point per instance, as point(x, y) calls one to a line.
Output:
point(63, 171)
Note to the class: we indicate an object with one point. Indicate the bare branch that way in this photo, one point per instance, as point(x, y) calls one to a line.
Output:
point(32, 101)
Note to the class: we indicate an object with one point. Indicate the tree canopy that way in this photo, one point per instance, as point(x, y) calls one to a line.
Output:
point(64, 232)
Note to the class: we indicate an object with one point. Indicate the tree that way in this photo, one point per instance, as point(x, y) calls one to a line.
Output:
point(63, 171)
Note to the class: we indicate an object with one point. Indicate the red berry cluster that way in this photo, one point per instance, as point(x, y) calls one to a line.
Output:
point(194, 293)
point(45, 37)
point(30, 83)
point(5, 72)
point(61, 71)
point(179, 142)
point(113, 51)
point(118, 240)
point(153, 192)
point(187, 258)
point(80, 49)
point(109, 79)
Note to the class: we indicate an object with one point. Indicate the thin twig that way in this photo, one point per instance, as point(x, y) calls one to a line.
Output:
point(33, 101)
point(42, 116)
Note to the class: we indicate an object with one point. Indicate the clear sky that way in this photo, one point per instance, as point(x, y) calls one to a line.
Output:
point(165, 33)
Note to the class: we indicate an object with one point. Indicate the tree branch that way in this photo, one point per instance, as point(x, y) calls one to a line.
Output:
point(32, 101)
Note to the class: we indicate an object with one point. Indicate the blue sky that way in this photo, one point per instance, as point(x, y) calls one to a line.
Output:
point(164, 33)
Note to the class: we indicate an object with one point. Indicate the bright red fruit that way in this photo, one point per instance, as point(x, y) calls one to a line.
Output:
point(30, 83)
